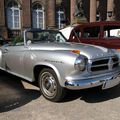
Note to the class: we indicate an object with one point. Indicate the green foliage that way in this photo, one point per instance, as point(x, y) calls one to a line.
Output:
point(17, 39)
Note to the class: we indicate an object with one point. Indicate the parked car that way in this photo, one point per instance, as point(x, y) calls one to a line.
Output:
point(106, 34)
point(45, 57)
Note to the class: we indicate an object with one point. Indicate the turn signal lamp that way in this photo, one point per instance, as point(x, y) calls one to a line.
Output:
point(118, 50)
point(76, 51)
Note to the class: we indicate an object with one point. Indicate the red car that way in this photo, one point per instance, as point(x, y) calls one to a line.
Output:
point(105, 34)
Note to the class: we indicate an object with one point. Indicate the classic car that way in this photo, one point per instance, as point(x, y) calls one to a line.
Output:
point(105, 33)
point(45, 57)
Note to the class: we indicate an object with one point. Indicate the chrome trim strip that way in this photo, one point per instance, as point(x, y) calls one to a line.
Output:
point(91, 82)
point(110, 64)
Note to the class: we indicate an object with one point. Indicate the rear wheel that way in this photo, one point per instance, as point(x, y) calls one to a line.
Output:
point(49, 85)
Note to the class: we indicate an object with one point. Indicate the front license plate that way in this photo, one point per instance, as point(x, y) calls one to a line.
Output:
point(111, 82)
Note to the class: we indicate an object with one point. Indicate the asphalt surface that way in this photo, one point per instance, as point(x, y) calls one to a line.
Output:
point(20, 100)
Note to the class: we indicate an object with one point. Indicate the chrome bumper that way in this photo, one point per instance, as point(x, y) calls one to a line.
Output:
point(107, 81)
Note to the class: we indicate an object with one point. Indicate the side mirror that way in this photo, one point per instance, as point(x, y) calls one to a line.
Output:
point(29, 42)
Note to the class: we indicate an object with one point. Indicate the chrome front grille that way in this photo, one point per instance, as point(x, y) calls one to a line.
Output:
point(104, 64)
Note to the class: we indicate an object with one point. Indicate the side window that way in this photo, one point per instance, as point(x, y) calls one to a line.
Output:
point(112, 31)
point(76, 34)
point(93, 32)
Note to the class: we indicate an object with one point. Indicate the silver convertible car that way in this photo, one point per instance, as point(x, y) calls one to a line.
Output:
point(45, 57)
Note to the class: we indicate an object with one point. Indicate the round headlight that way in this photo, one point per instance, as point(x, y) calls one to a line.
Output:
point(80, 63)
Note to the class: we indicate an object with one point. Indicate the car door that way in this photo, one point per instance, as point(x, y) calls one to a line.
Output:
point(111, 36)
point(13, 58)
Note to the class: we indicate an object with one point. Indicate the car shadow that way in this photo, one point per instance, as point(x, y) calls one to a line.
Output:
point(99, 95)
point(13, 94)
point(93, 95)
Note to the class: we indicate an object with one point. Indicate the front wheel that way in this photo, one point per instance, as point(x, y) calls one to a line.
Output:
point(49, 85)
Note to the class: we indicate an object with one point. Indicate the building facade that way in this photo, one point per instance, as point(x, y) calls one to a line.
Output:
point(17, 15)
point(97, 10)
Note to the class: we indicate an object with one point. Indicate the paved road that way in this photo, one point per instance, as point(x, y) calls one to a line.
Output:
point(20, 100)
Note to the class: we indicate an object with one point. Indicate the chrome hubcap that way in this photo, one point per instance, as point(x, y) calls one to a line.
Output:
point(49, 84)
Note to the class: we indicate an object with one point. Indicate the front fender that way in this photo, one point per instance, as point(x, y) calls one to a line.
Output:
point(58, 72)
point(61, 62)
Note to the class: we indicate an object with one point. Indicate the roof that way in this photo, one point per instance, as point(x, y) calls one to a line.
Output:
point(100, 23)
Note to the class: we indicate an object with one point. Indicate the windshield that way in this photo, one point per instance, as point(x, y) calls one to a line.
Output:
point(44, 36)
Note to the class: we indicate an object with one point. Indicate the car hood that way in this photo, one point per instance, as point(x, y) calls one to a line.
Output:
point(90, 51)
